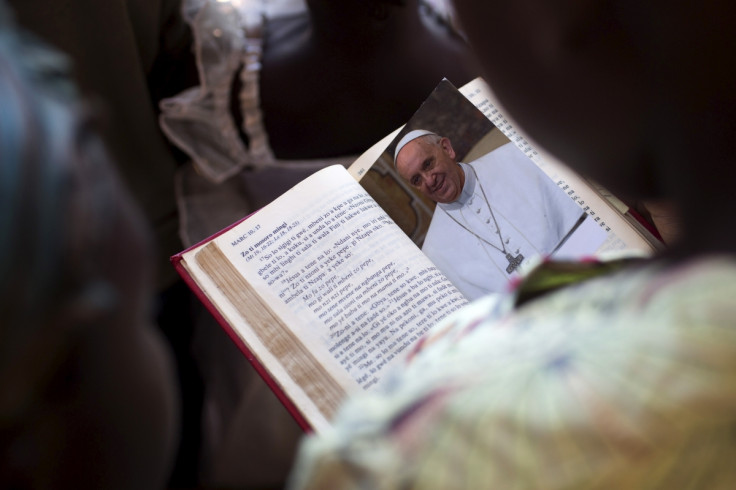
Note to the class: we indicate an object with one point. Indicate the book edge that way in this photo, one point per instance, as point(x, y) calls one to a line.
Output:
point(177, 260)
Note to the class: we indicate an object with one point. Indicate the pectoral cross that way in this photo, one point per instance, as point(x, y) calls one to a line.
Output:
point(514, 262)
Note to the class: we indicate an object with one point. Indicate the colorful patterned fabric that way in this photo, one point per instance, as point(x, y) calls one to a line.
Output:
point(623, 381)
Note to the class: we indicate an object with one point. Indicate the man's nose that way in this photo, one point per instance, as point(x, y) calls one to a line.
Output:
point(428, 179)
point(424, 184)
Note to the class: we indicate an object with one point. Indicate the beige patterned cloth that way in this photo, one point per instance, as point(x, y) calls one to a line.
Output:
point(622, 381)
point(233, 170)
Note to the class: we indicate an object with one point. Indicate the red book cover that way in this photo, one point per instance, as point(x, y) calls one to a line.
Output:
point(260, 369)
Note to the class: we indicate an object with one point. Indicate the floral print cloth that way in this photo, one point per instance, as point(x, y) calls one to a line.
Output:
point(622, 381)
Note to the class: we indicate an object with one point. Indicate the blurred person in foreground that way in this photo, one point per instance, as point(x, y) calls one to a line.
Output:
point(126, 55)
point(86, 384)
point(599, 375)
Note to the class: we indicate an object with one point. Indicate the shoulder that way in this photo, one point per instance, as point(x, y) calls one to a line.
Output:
point(441, 243)
point(505, 155)
point(437, 231)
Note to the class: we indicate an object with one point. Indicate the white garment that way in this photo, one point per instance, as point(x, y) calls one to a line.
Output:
point(533, 214)
point(227, 179)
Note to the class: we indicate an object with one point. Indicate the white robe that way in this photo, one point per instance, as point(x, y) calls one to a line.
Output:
point(533, 214)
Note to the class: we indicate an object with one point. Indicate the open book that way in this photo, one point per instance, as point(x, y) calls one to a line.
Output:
point(327, 288)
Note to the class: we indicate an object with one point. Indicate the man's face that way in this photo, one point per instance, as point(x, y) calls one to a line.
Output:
point(432, 169)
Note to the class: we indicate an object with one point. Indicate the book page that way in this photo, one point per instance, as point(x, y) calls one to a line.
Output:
point(622, 233)
point(344, 278)
point(365, 161)
point(603, 212)
point(519, 208)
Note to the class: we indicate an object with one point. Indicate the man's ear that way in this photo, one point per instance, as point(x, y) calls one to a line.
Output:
point(447, 147)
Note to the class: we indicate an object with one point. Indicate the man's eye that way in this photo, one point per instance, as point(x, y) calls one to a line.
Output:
point(415, 181)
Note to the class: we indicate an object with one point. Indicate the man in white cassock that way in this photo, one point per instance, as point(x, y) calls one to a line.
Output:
point(493, 215)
